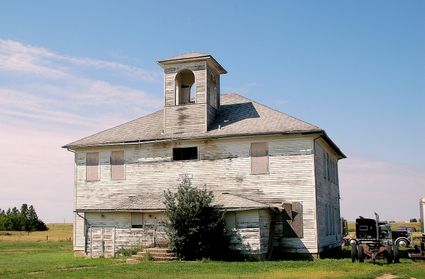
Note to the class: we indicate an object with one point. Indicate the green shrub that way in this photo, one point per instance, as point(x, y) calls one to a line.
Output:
point(195, 227)
point(128, 252)
point(148, 257)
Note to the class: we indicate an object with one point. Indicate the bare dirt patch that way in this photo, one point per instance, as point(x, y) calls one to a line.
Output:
point(386, 276)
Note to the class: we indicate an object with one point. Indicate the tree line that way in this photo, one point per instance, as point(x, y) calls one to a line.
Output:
point(25, 219)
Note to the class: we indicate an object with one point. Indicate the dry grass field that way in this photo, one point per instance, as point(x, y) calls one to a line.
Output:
point(56, 232)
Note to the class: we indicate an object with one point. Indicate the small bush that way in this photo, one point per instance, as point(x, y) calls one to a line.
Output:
point(148, 257)
point(128, 252)
point(195, 227)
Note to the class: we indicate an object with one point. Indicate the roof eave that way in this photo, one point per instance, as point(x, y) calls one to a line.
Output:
point(299, 132)
point(207, 58)
point(333, 145)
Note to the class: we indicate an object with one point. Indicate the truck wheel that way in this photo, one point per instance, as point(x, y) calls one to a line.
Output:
point(402, 242)
point(395, 254)
point(360, 253)
point(353, 252)
point(389, 254)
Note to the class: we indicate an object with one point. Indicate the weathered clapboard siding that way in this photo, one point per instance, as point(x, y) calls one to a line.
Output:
point(79, 240)
point(188, 117)
point(185, 119)
point(224, 166)
point(107, 219)
point(107, 232)
point(264, 224)
point(249, 231)
point(327, 199)
point(211, 114)
point(193, 118)
point(213, 88)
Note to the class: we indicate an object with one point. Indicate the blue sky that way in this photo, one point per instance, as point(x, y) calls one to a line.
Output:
point(354, 68)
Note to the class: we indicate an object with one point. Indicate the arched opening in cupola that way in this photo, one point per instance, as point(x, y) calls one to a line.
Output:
point(185, 87)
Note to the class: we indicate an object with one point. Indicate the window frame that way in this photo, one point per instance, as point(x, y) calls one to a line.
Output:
point(123, 165)
point(188, 147)
point(137, 226)
point(267, 155)
point(97, 166)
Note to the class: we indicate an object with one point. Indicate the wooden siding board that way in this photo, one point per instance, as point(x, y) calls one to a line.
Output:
point(79, 240)
point(329, 234)
point(224, 166)
point(185, 118)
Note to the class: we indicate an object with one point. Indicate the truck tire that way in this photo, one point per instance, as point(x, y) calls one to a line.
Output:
point(360, 253)
point(402, 242)
point(389, 254)
point(353, 252)
point(396, 256)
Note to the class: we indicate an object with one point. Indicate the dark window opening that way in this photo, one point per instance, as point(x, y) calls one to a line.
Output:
point(185, 87)
point(186, 153)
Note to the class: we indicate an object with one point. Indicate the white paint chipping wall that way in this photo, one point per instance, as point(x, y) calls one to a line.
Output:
point(224, 166)
point(328, 207)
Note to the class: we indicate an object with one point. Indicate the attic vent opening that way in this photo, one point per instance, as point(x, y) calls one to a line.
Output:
point(185, 153)
point(185, 87)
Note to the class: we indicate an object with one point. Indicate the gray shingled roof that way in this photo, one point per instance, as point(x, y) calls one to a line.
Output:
point(238, 116)
point(155, 202)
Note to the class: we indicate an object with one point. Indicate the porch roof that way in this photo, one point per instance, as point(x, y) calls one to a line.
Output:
point(151, 202)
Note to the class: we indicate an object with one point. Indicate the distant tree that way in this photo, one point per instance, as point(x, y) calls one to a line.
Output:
point(24, 217)
point(24, 220)
point(2, 220)
point(16, 220)
point(195, 227)
point(413, 220)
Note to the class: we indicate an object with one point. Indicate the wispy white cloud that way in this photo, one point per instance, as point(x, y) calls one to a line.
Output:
point(392, 190)
point(24, 58)
point(46, 86)
point(49, 99)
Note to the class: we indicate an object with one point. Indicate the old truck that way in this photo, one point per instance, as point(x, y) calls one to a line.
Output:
point(373, 240)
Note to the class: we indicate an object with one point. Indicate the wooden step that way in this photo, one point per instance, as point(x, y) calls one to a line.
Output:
point(167, 258)
point(157, 254)
point(156, 250)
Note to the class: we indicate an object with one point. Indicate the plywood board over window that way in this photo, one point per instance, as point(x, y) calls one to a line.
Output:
point(117, 165)
point(259, 158)
point(92, 166)
point(293, 221)
point(137, 220)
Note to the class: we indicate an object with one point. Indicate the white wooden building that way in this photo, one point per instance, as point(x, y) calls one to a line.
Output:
point(276, 176)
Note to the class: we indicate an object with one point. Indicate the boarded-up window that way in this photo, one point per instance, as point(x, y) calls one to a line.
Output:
point(117, 165)
point(247, 219)
point(92, 166)
point(259, 158)
point(230, 220)
point(293, 219)
point(137, 220)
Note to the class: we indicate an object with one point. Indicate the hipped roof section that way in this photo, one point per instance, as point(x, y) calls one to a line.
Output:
point(238, 116)
point(155, 202)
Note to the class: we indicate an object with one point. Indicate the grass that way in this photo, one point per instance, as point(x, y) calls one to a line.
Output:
point(54, 259)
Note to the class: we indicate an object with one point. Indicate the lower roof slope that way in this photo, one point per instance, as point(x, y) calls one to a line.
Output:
point(238, 116)
point(155, 202)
